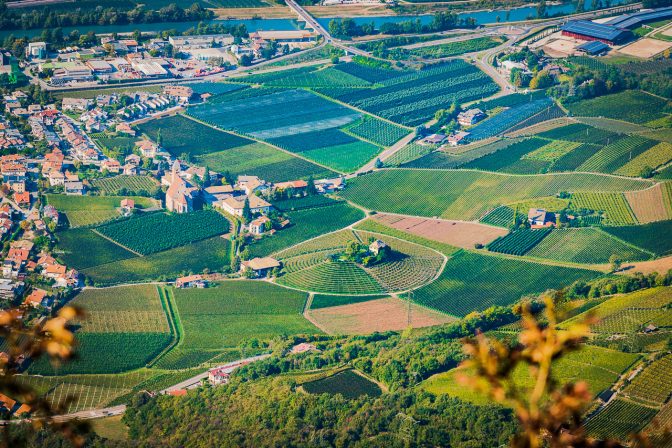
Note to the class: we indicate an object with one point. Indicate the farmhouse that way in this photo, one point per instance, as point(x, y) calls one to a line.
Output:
point(111, 166)
point(36, 298)
point(181, 94)
point(376, 246)
point(251, 184)
point(538, 218)
point(298, 186)
point(330, 185)
point(191, 281)
point(127, 205)
point(260, 267)
point(73, 187)
point(434, 139)
point(258, 226)
point(218, 376)
point(470, 117)
point(235, 205)
point(456, 138)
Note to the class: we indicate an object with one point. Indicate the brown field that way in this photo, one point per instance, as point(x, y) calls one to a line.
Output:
point(648, 205)
point(661, 265)
point(645, 48)
point(456, 233)
point(375, 315)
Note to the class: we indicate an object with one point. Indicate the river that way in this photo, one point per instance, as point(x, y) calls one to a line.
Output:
point(481, 17)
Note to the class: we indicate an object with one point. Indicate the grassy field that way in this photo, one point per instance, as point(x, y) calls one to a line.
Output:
point(84, 211)
point(160, 231)
point(467, 195)
point(213, 254)
point(126, 328)
point(233, 311)
point(347, 383)
point(474, 282)
point(586, 245)
point(598, 366)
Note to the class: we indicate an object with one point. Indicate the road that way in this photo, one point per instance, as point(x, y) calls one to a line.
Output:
point(190, 383)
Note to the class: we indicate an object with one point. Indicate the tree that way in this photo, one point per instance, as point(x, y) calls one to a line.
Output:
point(206, 177)
point(247, 213)
point(159, 138)
point(615, 262)
point(310, 189)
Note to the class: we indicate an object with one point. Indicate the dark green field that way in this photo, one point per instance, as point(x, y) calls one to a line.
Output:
point(347, 383)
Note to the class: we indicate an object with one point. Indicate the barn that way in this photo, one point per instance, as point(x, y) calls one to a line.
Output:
point(587, 30)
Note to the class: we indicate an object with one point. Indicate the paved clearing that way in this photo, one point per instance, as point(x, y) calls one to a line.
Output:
point(375, 315)
point(456, 233)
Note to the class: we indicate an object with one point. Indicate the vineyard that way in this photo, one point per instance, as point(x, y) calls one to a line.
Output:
point(586, 245)
point(519, 242)
point(212, 254)
point(377, 131)
point(234, 311)
point(616, 209)
point(508, 119)
point(160, 231)
point(455, 48)
point(443, 160)
point(655, 237)
point(582, 133)
point(84, 248)
point(474, 282)
point(206, 139)
point(652, 387)
point(468, 195)
point(338, 277)
point(616, 154)
point(142, 185)
point(656, 156)
point(347, 383)
point(619, 419)
point(327, 301)
point(410, 153)
point(412, 97)
point(501, 217)
point(552, 151)
point(511, 159)
point(630, 105)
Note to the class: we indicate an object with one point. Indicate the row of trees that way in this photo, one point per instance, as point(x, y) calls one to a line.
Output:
point(441, 21)
point(20, 19)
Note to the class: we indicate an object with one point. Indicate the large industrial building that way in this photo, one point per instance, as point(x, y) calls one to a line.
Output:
point(631, 21)
point(587, 30)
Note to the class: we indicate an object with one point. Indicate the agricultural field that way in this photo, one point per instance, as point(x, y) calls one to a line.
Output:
point(306, 224)
point(232, 311)
point(585, 245)
point(312, 269)
point(173, 129)
point(372, 313)
point(631, 105)
point(518, 242)
point(212, 254)
point(615, 207)
point(652, 204)
point(655, 237)
point(628, 314)
point(653, 386)
point(654, 157)
point(598, 366)
point(120, 185)
point(512, 159)
point(159, 231)
point(86, 211)
point(509, 118)
point(474, 282)
point(620, 419)
point(468, 195)
point(411, 97)
point(410, 153)
point(347, 383)
point(455, 233)
point(260, 159)
point(83, 248)
point(377, 131)
point(326, 301)
point(127, 324)
point(610, 158)
point(454, 48)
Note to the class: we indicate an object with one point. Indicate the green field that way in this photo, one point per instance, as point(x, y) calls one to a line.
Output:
point(616, 209)
point(126, 325)
point(213, 254)
point(347, 383)
point(619, 419)
point(598, 366)
point(465, 194)
point(474, 282)
point(161, 231)
point(233, 311)
point(653, 386)
point(630, 105)
point(586, 245)
point(85, 211)
point(142, 185)
point(205, 140)
point(326, 301)
point(83, 248)
point(655, 237)
point(307, 224)
point(519, 242)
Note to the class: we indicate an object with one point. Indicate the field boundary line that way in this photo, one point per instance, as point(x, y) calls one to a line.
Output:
point(653, 254)
point(255, 139)
point(118, 244)
point(169, 313)
point(588, 267)
point(308, 316)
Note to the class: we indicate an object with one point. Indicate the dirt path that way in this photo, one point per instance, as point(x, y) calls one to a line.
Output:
point(118, 244)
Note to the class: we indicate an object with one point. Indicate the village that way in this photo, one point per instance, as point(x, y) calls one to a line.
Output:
point(113, 59)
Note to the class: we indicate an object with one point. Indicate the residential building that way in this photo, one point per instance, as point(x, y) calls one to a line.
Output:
point(235, 205)
point(260, 267)
point(218, 376)
point(258, 225)
point(470, 117)
point(191, 281)
point(456, 138)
